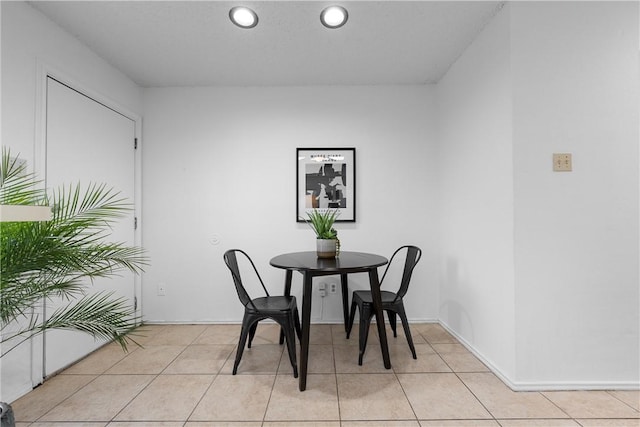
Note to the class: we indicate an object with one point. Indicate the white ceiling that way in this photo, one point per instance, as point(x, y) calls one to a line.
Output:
point(193, 43)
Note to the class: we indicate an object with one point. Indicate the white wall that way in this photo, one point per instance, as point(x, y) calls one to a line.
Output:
point(542, 310)
point(575, 89)
point(550, 257)
point(221, 162)
point(476, 176)
point(30, 42)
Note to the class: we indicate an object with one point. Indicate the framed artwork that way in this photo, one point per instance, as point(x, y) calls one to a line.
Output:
point(326, 179)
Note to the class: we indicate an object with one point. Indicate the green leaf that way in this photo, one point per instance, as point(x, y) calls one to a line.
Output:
point(60, 258)
point(321, 222)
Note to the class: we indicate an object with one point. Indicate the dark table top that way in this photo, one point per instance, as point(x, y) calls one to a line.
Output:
point(346, 262)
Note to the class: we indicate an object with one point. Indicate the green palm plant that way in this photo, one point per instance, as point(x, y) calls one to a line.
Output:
point(58, 259)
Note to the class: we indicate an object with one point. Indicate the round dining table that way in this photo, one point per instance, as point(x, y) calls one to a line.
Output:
point(310, 266)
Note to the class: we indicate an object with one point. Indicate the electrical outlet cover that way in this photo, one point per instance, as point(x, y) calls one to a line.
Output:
point(562, 162)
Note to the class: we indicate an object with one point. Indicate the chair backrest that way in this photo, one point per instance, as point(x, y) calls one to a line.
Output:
point(414, 254)
point(231, 260)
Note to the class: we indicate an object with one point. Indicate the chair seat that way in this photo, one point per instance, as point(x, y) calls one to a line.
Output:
point(273, 303)
point(365, 296)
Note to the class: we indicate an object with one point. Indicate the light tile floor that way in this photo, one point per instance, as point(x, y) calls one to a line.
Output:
point(182, 377)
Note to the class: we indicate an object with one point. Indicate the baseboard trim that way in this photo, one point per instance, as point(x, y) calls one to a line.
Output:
point(542, 385)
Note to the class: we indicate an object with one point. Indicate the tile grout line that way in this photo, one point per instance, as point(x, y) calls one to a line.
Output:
point(474, 395)
point(64, 400)
point(477, 398)
point(557, 406)
point(96, 376)
point(113, 419)
point(334, 344)
point(609, 392)
point(136, 395)
point(273, 385)
point(335, 374)
point(453, 371)
point(402, 387)
point(208, 387)
point(404, 392)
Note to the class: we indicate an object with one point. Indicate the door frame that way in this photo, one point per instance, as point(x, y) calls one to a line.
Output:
point(43, 73)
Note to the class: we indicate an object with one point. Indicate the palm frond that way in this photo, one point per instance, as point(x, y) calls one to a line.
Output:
point(101, 315)
point(17, 186)
point(61, 258)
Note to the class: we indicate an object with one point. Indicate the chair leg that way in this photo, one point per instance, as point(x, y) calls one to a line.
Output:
point(365, 320)
point(291, 343)
point(296, 319)
point(392, 321)
point(241, 342)
point(252, 333)
point(407, 332)
point(352, 316)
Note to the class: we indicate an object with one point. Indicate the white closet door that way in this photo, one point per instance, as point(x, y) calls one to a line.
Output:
point(87, 142)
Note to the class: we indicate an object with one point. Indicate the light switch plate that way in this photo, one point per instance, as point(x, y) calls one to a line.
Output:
point(562, 162)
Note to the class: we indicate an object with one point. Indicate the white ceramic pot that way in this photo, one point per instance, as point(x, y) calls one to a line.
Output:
point(326, 248)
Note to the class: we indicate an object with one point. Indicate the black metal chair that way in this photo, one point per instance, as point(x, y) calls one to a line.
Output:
point(391, 302)
point(281, 309)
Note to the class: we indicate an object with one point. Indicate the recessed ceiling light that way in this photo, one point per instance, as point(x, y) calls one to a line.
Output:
point(243, 17)
point(334, 16)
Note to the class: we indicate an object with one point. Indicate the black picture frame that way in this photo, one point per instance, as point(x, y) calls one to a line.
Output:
point(326, 179)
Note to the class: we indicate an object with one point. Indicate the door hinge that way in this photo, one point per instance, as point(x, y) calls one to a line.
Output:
point(135, 223)
point(135, 143)
point(135, 303)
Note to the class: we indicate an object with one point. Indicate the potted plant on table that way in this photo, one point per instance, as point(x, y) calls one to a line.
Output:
point(321, 222)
